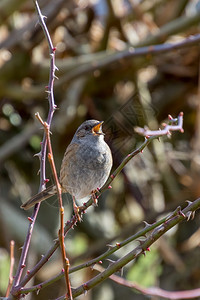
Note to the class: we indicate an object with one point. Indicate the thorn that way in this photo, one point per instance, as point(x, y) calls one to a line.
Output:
point(142, 151)
point(23, 266)
point(110, 246)
point(181, 130)
point(56, 68)
point(118, 245)
point(146, 224)
point(38, 154)
point(46, 180)
point(37, 291)
point(54, 49)
point(100, 262)
point(140, 242)
point(109, 187)
point(28, 272)
point(170, 117)
point(188, 202)
point(181, 214)
point(110, 260)
point(30, 219)
point(148, 249)
point(112, 176)
point(55, 77)
point(144, 253)
point(190, 215)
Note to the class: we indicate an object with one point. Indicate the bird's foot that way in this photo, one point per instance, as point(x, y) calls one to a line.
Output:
point(77, 213)
point(94, 198)
point(76, 210)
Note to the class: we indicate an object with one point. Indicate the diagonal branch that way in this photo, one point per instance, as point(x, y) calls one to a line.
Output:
point(111, 249)
point(153, 291)
point(173, 220)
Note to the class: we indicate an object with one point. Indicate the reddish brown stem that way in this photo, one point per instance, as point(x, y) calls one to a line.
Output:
point(12, 262)
point(59, 192)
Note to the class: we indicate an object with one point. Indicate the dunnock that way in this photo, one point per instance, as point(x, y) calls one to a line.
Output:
point(85, 166)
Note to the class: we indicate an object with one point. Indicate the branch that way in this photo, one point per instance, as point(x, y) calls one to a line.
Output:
point(153, 291)
point(131, 52)
point(173, 220)
point(98, 62)
point(177, 126)
point(59, 192)
point(111, 249)
point(32, 219)
point(12, 263)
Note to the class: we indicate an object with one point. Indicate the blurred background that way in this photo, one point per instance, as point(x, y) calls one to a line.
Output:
point(125, 93)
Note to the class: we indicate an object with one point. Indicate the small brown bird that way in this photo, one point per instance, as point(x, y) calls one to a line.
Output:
point(85, 166)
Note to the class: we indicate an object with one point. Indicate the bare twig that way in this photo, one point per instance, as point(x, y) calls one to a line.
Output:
point(99, 62)
point(153, 291)
point(177, 125)
point(12, 262)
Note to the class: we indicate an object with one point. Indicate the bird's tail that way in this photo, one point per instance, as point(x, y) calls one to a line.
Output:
point(47, 193)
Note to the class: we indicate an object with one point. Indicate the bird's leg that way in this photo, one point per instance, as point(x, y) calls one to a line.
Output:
point(94, 198)
point(76, 209)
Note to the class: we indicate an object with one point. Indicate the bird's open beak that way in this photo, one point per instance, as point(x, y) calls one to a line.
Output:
point(97, 129)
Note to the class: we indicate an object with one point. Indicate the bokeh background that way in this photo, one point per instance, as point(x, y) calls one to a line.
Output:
point(126, 93)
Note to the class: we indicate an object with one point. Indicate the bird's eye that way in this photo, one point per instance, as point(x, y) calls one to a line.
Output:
point(87, 127)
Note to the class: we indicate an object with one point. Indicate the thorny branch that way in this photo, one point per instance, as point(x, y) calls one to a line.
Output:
point(172, 220)
point(153, 291)
point(167, 127)
point(41, 155)
point(59, 192)
point(111, 249)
